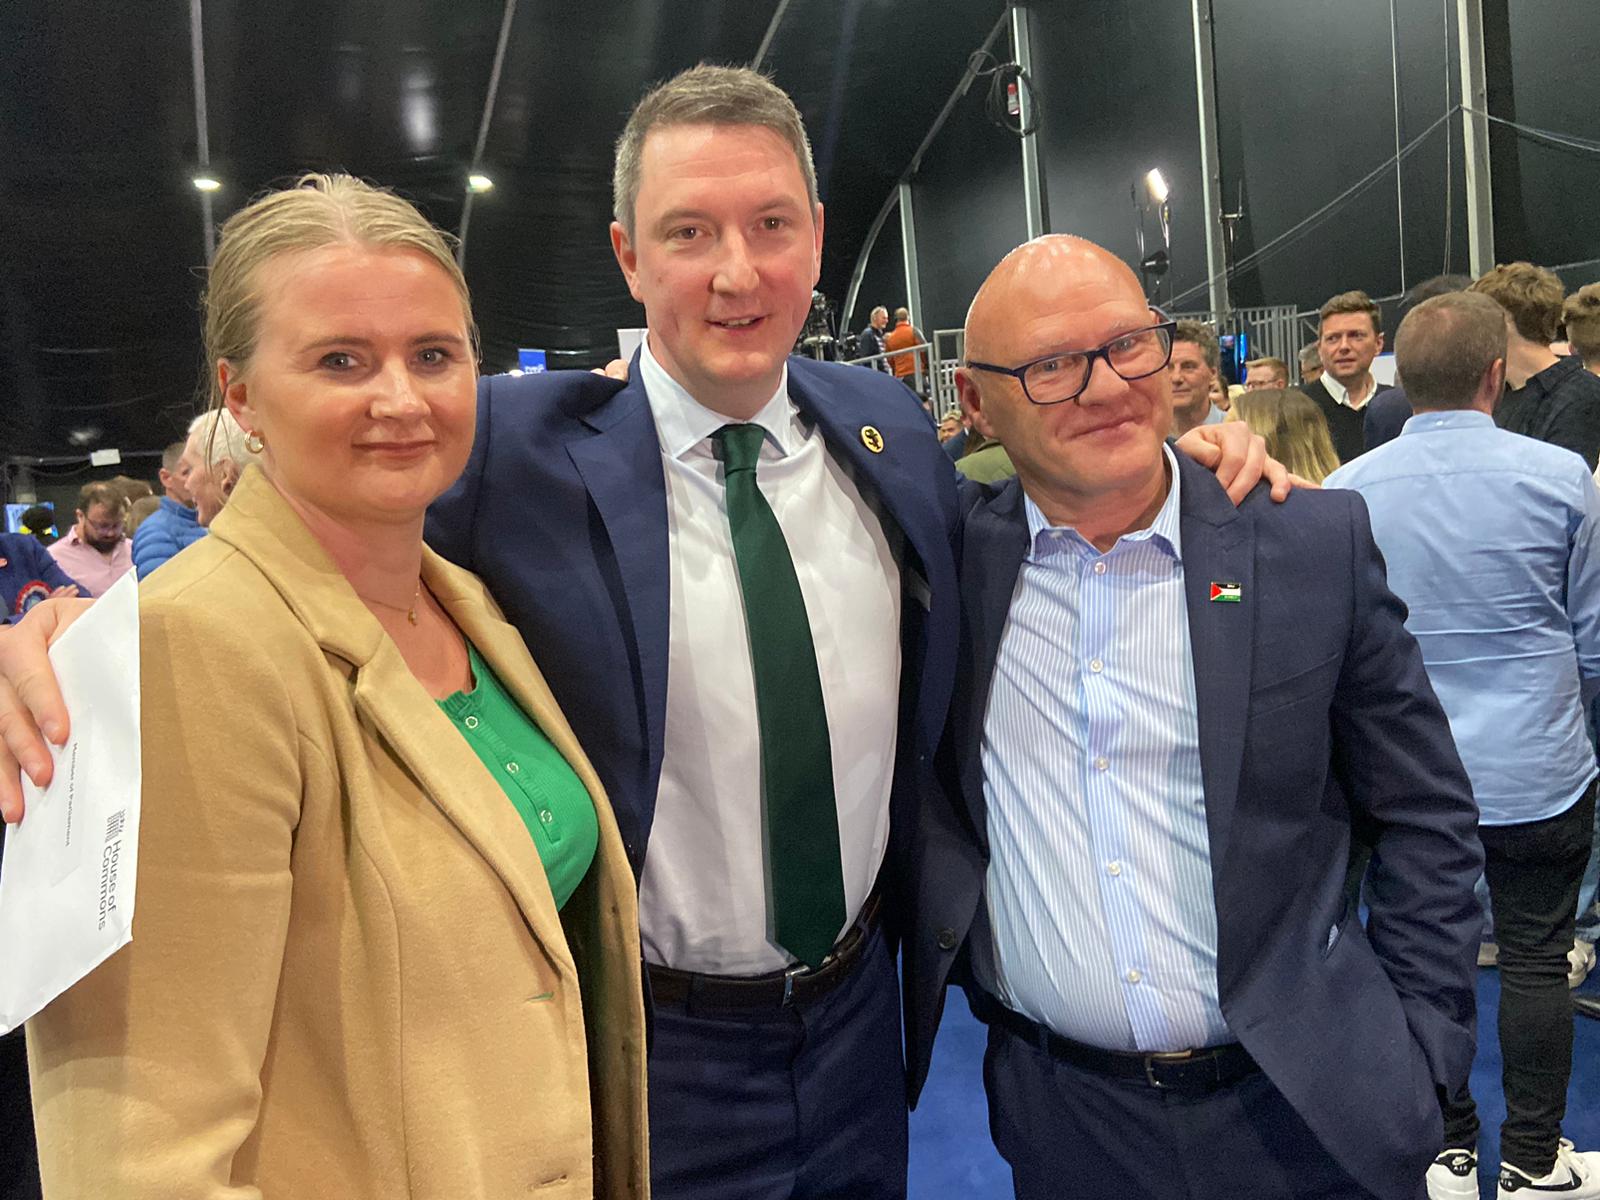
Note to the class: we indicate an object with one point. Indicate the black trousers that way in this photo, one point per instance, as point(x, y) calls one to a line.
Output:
point(1534, 871)
point(19, 1157)
point(1070, 1134)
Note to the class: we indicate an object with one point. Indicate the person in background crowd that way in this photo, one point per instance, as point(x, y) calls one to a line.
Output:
point(870, 340)
point(1549, 398)
point(1266, 373)
point(175, 523)
point(1465, 513)
point(95, 552)
point(28, 574)
point(365, 816)
point(985, 461)
point(1294, 428)
point(903, 335)
point(139, 512)
point(956, 445)
point(1221, 394)
point(1196, 359)
point(1581, 316)
point(131, 489)
point(214, 456)
point(949, 426)
point(1310, 364)
point(1350, 336)
point(1170, 717)
point(1389, 410)
point(39, 521)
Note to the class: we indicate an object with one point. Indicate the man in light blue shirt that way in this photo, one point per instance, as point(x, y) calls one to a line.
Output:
point(1170, 714)
point(1493, 541)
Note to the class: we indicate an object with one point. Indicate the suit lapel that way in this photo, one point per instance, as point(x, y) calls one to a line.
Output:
point(993, 549)
point(621, 469)
point(1218, 546)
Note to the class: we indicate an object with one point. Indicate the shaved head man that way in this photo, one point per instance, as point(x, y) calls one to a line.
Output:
point(1163, 703)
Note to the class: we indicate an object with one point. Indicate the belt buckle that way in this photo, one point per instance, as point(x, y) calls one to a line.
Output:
point(1173, 1056)
point(788, 983)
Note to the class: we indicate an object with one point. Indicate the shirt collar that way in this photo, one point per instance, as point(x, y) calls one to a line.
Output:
point(1454, 418)
point(1341, 394)
point(1163, 531)
point(682, 422)
point(1546, 380)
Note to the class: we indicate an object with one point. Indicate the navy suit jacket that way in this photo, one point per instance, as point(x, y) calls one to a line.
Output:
point(1315, 717)
point(563, 511)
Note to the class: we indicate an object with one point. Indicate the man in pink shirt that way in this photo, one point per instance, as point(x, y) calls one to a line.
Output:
point(96, 552)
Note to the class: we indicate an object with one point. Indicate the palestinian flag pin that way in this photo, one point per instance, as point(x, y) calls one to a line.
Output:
point(1226, 593)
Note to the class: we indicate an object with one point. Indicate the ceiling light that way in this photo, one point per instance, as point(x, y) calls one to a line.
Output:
point(479, 183)
point(205, 183)
point(1156, 185)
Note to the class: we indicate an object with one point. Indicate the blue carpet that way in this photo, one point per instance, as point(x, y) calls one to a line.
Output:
point(951, 1154)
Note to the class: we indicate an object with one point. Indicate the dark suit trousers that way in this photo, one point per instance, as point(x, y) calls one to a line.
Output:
point(805, 1103)
point(1071, 1134)
point(19, 1158)
point(1534, 871)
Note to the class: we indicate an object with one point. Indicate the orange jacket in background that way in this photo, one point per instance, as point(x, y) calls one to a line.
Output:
point(898, 338)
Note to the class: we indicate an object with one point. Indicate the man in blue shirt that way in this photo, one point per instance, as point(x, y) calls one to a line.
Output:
point(172, 526)
point(28, 575)
point(1170, 714)
point(1493, 540)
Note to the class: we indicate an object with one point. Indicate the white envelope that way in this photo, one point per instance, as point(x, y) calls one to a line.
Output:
point(67, 884)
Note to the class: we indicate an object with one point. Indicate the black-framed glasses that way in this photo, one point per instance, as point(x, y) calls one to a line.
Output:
point(1057, 378)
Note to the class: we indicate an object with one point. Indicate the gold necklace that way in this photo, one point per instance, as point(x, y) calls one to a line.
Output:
point(410, 612)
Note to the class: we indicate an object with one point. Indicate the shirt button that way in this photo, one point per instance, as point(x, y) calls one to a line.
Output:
point(471, 722)
point(1099, 567)
point(512, 768)
point(1100, 764)
point(1113, 868)
point(1133, 975)
point(946, 939)
point(1096, 665)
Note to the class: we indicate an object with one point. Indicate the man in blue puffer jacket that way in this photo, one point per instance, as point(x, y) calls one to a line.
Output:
point(172, 526)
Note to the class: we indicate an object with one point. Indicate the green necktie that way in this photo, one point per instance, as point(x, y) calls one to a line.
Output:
point(802, 819)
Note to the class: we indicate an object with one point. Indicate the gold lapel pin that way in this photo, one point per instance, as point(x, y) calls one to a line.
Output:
point(872, 439)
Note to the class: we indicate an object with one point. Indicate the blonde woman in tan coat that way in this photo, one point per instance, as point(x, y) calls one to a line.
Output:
point(386, 940)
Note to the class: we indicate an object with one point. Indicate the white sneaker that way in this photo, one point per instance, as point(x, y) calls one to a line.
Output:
point(1580, 961)
point(1454, 1176)
point(1575, 1176)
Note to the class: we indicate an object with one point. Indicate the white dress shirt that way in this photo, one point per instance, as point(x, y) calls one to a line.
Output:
point(703, 896)
point(1341, 394)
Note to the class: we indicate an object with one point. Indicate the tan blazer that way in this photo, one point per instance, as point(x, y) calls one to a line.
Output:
point(348, 978)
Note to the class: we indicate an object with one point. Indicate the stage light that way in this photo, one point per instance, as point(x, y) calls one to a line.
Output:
point(205, 183)
point(479, 183)
point(1156, 185)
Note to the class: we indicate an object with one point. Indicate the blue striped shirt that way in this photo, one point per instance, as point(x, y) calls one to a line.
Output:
point(1099, 882)
point(1493, 541)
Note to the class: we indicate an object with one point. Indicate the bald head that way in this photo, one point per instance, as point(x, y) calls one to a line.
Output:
point(1037, 280)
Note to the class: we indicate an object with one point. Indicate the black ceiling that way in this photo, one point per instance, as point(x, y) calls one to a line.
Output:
point(102, 232)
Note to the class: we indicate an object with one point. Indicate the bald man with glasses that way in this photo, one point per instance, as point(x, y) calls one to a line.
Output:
point(1170, 715)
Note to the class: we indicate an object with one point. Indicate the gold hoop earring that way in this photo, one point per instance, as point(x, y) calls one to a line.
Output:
point(254, 442)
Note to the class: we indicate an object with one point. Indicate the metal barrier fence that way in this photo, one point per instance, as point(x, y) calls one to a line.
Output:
point(1274, 331)
point(938, 382)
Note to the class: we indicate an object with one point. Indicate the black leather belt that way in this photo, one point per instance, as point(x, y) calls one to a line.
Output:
point(1189, 1071)
point(777, 990)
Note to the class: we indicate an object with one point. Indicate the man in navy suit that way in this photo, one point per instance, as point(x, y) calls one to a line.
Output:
point(1170, 715)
